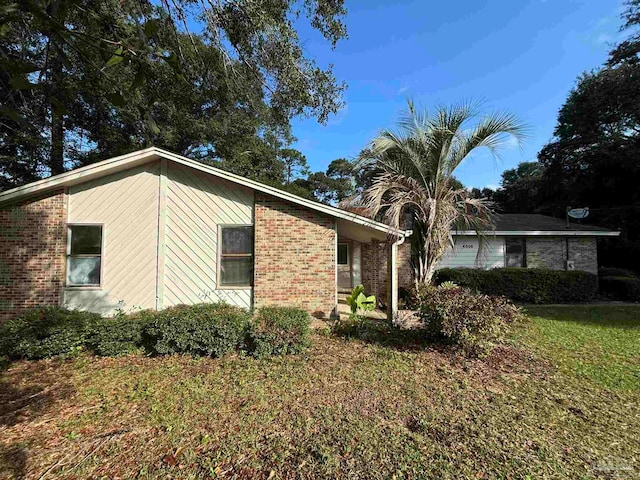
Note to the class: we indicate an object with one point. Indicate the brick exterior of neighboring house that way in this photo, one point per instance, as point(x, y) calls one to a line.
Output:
point(33, 254)
point(551, 253)
point(295, 262)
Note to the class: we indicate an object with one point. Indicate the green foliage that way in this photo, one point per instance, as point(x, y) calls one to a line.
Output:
point(417, 164)
point(475, 323)
point(529, 285)
point(615, 272)
point(120, 335)
point(359, 302)
point(279, 331)
point(206, 329)
point(46, 332)
point(87, 80)
point(621, 287)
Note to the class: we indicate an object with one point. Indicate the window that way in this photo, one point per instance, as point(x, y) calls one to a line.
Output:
point(515, 252)
point(236, 256)
point(84, 255)
point(343, 254)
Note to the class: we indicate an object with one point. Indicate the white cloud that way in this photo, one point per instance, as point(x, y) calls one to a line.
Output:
point(403, 89)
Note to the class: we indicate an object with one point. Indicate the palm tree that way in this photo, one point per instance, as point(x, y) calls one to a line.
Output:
point(415, 168)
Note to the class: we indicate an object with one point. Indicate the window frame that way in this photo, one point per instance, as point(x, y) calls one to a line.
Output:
point(524, 251)
point(220, 256)
point(348, 255)
point(75, 286)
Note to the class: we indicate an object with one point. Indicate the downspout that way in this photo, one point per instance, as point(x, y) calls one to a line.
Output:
point(393, 278)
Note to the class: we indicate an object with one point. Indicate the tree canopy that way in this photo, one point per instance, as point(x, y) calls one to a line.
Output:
point(218, 80)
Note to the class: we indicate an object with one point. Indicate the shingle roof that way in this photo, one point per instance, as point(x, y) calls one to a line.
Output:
point(526, 222)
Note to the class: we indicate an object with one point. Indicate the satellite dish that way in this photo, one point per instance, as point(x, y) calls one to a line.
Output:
point(578, 213)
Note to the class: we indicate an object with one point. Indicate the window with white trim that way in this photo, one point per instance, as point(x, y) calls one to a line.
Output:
point(84, 255)
point(236, 256)
point(515, 252)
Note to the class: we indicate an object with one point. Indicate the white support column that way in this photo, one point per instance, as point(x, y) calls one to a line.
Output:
point(356, 263)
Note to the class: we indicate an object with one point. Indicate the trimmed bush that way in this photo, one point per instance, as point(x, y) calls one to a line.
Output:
point(528, 285)
point(616, 272)
point(621, 288)
point(205, 329)
point(120, 335)
point(472, 322)
point(279, 331)
point(46, 332)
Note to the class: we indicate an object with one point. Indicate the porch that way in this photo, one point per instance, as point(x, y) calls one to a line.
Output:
point(368, 256)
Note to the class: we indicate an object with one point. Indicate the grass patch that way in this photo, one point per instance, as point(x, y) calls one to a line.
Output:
point(598, 343)
point(344, 409)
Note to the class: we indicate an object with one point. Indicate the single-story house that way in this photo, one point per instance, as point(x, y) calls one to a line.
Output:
point(152, 229)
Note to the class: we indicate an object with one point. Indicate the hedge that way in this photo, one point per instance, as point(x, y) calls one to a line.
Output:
point(46, 332)
point(621, 288)
point(120, 335)
point(206, 329)
point(528, 285)
point(279, 331)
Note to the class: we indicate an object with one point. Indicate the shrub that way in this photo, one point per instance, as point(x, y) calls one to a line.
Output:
point(279, 331)
point(529, 285)
point(616, 272)
point(46, 332)
point(206, 329)
point(621, 288)
point(473, 322)
point(122, 334)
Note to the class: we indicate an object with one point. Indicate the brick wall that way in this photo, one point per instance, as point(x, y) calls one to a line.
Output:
point(295, 262)
point(584, 253)
point(545, 252)
point(375, 256)
point(551, 253)
point(32, 254)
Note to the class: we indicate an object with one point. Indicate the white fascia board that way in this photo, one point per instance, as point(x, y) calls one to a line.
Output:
point(538, 233)
point(112, 165)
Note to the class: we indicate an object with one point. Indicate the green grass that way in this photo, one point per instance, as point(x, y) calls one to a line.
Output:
point(599, 343)
point(537, 408)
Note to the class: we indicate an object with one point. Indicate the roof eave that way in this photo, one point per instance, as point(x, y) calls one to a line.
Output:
point(129, 160)
point(532, 233)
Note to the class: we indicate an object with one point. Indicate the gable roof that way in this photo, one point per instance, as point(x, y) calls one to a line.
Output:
point(524, 224)
point(140, 157)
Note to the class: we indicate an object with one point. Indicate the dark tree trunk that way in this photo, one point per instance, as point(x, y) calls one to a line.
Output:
point(56, 160)
point(56, 156)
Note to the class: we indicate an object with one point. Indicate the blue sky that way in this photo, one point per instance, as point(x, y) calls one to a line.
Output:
point(522, 56)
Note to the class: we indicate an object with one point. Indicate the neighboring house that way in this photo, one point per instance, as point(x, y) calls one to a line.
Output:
point(518, 240)
point(153, 229)
point(529, 241)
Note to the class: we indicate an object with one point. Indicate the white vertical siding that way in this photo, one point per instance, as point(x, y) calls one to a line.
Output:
point(196, 204)
point(126, 203)
point(465, 253)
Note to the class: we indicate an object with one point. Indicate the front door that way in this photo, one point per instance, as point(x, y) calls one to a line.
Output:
point(344, 266)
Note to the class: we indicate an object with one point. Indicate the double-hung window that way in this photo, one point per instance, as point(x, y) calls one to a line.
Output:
point(515, 252)
point(84, 255)
point(236, 256)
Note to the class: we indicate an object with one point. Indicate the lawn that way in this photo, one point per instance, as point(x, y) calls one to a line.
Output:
point(561, 400)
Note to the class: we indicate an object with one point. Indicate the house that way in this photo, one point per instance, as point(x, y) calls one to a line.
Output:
point(530, 241)
point(153, 229)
